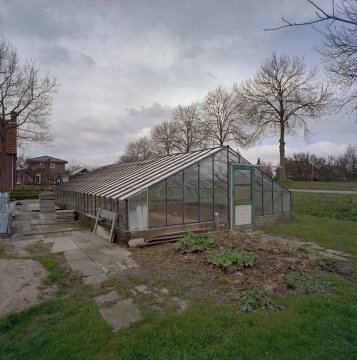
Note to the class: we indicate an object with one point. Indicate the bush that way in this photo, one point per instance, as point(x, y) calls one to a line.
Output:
point(236, 257)
point(256, 299)
point(196, 243)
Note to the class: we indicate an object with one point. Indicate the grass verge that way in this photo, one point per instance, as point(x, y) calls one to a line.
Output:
point(320, 185)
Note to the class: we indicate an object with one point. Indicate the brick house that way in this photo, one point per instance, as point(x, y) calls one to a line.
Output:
point(43, 170)
point(11, 153)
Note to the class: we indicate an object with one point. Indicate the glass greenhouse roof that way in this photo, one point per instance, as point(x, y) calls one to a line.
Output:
point(121, 181)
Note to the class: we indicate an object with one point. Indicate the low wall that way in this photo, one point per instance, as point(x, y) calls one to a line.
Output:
point(274, 219)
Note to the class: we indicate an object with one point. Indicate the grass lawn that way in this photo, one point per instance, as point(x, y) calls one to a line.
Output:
point(321, 324)
point(320, 185)
point(334, 206)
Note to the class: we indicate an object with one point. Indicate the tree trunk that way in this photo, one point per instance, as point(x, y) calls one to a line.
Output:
point(282, 169)
point(3, 185)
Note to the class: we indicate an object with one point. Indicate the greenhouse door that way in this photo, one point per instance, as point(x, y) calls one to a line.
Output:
point(243, 196)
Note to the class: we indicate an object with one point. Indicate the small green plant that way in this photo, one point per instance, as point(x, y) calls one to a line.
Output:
point(196, 243)
point(236, 257)
point(304, 284)
point(327, 264)
point(254, 299)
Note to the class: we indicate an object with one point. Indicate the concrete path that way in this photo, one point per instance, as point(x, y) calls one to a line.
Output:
point(343, 192)
point(93, 257)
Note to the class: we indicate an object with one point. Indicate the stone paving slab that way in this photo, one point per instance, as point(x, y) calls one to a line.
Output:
point(63, 244)
point(121, 314)
point(85, 266)
point(107, 298)
point(95, 279)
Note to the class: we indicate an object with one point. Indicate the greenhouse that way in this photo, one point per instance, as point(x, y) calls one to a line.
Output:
point(206, 190)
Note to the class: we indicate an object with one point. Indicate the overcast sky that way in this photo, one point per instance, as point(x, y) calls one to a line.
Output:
point(123, 65)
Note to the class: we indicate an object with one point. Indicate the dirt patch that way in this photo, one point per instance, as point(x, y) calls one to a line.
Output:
point(191, 275)
point(21, 285)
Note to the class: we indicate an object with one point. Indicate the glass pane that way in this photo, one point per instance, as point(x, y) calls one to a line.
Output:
point(157, 204)
point(242, 177)
point(233, 157)
point(191, 206)
point(286, 201)
point(221, 185)
point(242, 181)
point(206, 189)
point(122, 215)
point(242, 192)
point(138, 211)
point(175, 199)
point(267, 197)
point(258, 193)
point(277, 199)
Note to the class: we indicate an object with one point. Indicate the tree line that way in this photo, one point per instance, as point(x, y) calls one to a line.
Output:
point(306, 166)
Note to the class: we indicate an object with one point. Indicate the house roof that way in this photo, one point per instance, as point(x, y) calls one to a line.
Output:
point(47, 159)
point(120, 181)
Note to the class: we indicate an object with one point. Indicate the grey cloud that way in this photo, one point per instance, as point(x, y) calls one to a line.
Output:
point(87, 60)
point(42, 19)
point(55, 54)
point(61, 56)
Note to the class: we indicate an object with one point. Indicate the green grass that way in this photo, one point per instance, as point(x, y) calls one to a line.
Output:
point(315, 327)
point(320, 185)
point(330, 233)
point(55, 329)
point(334, 206)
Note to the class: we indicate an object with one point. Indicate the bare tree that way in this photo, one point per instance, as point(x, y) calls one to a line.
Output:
point(25, 101)
point(141, 149)
point(221, 119)
point(163, 137)
point(339, 44)
point(348, 162)
point(281, 98)
point(189, 134)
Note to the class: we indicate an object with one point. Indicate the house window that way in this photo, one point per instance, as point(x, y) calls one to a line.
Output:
point(37, 179)
point(42, 165)
point(52, 165)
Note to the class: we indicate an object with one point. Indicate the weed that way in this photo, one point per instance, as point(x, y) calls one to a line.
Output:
point(306, 284)
point(196, 243)
point(254, 299)
point(56, 275)
point(287, 250)
point(223, 280)
point(34, 248)
point(327, 264)
point(232, 257)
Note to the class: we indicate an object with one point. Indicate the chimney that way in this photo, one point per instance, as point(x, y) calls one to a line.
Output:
point(11, 134)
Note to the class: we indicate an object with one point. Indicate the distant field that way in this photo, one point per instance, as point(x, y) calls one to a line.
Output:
point(320, 185)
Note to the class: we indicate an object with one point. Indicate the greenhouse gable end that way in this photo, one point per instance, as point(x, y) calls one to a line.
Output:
point(160, 198)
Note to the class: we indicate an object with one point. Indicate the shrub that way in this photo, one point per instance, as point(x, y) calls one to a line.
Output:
point(256, 299)
point(196, 243)
point(303, 284)
point(236, 257)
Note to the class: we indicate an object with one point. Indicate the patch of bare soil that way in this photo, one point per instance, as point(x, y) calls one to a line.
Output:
point(21, 285)
point(192, 275)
